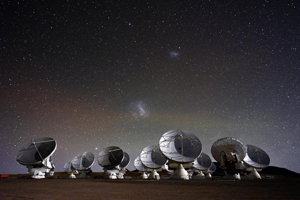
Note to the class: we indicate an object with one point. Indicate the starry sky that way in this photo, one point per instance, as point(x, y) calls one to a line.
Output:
point(92, 74)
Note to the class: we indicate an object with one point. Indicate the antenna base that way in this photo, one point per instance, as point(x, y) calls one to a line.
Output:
point(144, 176)
point(72, 175)
point(180, 173)
point(254, 174)
point(154, 175)
point(37, 173)
point(198, 175)
point(235, 176)
point(208, 176)
point(111, 173)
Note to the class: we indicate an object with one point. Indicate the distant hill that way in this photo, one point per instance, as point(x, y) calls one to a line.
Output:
point(272, 170)
point(280, 171)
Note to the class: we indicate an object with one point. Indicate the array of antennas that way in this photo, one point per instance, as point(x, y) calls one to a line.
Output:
point(113, 160)
point(179, 152)
point(235, 158)
point(36, 156)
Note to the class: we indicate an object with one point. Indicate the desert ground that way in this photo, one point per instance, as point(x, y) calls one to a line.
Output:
point(96, 187)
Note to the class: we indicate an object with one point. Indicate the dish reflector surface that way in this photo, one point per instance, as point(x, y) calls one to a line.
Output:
point(152, 157)
point(212, 168)
point(83, 161)
point(110, 156)
point(228, 145)
point(34, 152)
point(256, 157)
point(125, 161)
point(180, 146)
point(139, 165)
point(203, 162)
point(68, 167)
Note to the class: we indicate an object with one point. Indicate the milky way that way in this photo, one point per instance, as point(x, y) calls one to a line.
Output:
point(92, 74)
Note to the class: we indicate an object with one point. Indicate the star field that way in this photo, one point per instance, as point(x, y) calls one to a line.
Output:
point(92, 74)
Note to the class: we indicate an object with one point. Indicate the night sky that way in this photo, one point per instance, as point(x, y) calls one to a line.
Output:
point(92, 74)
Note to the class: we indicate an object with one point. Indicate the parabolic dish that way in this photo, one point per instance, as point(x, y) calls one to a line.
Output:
point(228, 145)
point(180, 146)
point(139, 165)
point(203, 162)
point(125, 161)
point(110, 156)
point(83, 161)
point(68, 167)
point(34, 152)
point(212, 168)
point(152, 157)
point(256, 157)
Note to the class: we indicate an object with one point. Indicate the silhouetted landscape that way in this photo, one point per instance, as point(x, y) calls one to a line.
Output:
point(277, 183)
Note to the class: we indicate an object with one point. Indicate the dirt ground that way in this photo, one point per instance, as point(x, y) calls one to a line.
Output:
point(60, 187)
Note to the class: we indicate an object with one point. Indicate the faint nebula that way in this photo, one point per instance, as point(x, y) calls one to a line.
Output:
point(139, 110)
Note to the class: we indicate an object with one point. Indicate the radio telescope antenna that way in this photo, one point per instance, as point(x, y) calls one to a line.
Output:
point(229, 152)
point(211, 170)
point(181, 148)
point(36, 156)
point(255, 160)
point(110, 158)
point(83, 163)
point(153, 159)
point(140, 167)
point(201, 164)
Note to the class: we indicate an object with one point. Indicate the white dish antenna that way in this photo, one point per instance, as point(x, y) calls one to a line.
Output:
point(139, 165)
point(36, 155)
point(81, 165)
point(83, 161)
point(36, 151)
point(152, 157)
point(230, 147)
point(203, 162)
point(110, 157)
point(229, 152)
point(180, 146)
point(256, 157)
